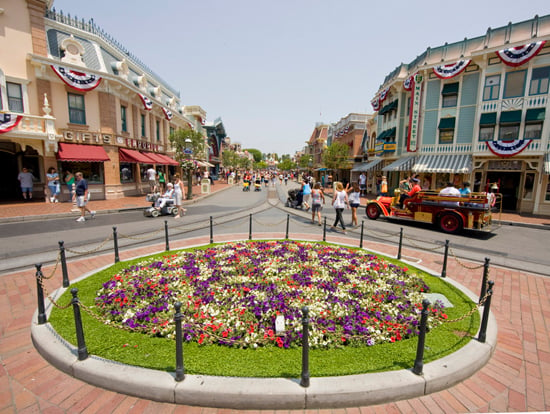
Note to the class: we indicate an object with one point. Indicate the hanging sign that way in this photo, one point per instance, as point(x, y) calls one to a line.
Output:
point(508, 148)
point(80, 81)
point(147, 103)
point(517, 56)
point(8, 122)
point(414, 115)
point(451, 70)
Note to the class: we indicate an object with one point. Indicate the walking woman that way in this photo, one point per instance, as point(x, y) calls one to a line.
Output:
point(340, 202)
point(354, 202)
point(317, 199)
point(178, 196)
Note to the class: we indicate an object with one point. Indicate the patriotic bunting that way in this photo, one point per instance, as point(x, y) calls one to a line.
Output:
point(451, 70)
point(80, 81)
point(508, 148)
point(517, 56)
point(375, 103)
point(147, 103)
point(167, 113)
point(408, 84)
point(384, 94)
point(8, 122)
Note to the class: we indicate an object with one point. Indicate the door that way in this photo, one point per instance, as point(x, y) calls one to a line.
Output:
point(509, 187)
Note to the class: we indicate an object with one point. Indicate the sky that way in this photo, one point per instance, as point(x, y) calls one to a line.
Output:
point(271, 70)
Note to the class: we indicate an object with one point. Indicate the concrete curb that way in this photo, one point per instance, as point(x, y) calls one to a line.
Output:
point(269, 393)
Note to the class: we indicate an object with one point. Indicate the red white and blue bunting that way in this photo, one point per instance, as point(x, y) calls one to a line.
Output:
point(80, 81)
point(508, 148)
point(384, 94)
point(517, 56)
point(451, 70)
point(408, 84)
point(167, 113)
point(147, 103)
point(8, 122)
point(375, 103)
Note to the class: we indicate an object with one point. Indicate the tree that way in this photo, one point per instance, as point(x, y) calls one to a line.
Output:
point(189, 144)
point(305, 161)
point(336, 156)
point(286, 164)
point(257, 154)
point(230, 159)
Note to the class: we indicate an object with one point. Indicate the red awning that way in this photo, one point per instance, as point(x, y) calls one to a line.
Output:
point(155, 158)
point(167, 159)
point(128, 155)
point(79, 152)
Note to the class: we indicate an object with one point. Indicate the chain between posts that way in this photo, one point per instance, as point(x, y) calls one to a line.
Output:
point(48, 295)
point(423, 248)
point(148, 235)
point(462, 263)
point(103, 243)
point(377, 234)
point(270, 224)
point(57, 261)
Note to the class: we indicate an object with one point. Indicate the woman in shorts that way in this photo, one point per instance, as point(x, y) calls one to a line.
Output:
point(354, 196)
point(317, 199)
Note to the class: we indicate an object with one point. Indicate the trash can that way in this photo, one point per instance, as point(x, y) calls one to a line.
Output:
point(205, 186)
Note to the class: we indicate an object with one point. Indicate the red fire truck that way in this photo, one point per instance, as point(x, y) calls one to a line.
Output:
point(450, 214)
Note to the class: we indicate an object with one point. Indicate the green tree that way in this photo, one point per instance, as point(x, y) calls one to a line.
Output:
point(262, 165)
point(286, 164)
point(189, 145)
point(257, 154)
point(305, 161)
point(336, 156)
point(230, 159)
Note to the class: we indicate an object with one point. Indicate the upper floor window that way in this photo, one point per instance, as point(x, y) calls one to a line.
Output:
point(446, 130)
point(15, 96)
point(515, 84)
point(158, 131)
point(77, 109)
point(509, 125)
point(491, 90)
point(539, 81)
point(534, 119)
point(123, 120)
point(450, 95)
point(142, 125)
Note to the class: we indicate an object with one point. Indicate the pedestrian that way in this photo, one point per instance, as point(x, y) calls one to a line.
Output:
point(26, 181)
point(384, 186)
point(317, 201)
point(69, 181)
point(152, 178)
point(354, 195)
point(53, 184)
point(178, 196)
point(162, 180)
point(340, 202)
point(363, 184)
point(81, 196)
point(306, 190)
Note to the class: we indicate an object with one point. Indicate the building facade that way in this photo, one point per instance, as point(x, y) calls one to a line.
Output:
point(474, 110)
point(74, 98)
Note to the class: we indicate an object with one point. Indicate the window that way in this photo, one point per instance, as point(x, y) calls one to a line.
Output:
point(450, 94)
point(528, 186)
point(158, 131)
point(171, 131)
point(446, 136)
point(124, 124)
point(508, 132)
point(492, 88)
point(486, 133)
point(515, 84)
point(92, 171)
point(126, 172)
point(533, 131)
point(77, 110)
point(539, 81)
point(15, 97)
point(142, 125)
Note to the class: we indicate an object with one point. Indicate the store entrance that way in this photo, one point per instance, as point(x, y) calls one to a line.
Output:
point(509, 187)
point(10, 190)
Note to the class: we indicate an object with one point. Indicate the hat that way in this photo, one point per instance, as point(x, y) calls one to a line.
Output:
point(415, 180)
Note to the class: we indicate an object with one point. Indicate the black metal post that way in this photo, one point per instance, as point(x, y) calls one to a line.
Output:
point(115, 242)
point(211, 230)
point(64, 270)
point(324, 229)
point(484, 281)
point(40, 295)
point(419, 361)
point(287, 224)
point(167, 241)
point(444, 270)
point(486, 309)
point(180, 374)
point(82, 350)
point(362, 232)
point(250, 227)
point(304, 382)
point(400, 243)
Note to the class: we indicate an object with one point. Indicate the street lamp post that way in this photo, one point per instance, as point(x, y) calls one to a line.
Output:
point(188, 155)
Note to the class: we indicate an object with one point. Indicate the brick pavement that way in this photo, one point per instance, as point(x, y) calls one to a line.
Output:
point(517, 378)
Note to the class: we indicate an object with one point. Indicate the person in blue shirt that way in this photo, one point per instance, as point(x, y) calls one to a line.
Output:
point(81, 197)
point(306, 189)
point(465, 190)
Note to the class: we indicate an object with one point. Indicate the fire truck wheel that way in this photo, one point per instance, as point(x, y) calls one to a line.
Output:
point(373, 211)
point(450, 222)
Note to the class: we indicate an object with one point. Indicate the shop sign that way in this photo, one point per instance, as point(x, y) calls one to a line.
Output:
point(414, 116)
point(390, 147)
point(505, 165)
point(87, 137)
point(142, 145)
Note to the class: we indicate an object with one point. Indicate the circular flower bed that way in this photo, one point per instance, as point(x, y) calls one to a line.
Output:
point(232, 294)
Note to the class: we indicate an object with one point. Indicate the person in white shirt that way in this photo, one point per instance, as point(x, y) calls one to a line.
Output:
point(450, 191)
point(152, 178)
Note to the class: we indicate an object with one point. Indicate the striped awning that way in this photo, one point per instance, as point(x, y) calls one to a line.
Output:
point(458, 164)
point(367, 166)
point(546, 165)
point(402, 164)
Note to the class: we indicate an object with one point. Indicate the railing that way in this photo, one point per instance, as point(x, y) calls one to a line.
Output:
point(94, 29)
point(32, 124)
point(535, 101)
point(447, 149)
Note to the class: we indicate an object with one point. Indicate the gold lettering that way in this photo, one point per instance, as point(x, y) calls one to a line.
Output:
point(68, 135)
point(106, 138)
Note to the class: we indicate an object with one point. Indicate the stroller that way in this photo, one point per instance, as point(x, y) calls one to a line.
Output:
point(295, 198)
point(258, 185)
point(167, 210)
point(246, 185)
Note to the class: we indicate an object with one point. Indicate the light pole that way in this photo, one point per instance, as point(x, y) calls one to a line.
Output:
point(188, 153)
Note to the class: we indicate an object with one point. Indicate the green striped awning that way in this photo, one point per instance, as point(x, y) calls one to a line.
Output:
point(535, 115)
point(367, 166)
point(450, 89)
point(510, 117)
point(451, 163)
point(402, 164)
point(447, 123)
point(488, 119)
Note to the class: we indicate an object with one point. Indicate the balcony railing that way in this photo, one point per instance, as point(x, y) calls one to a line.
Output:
point(535, 101)
point(32, 124)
